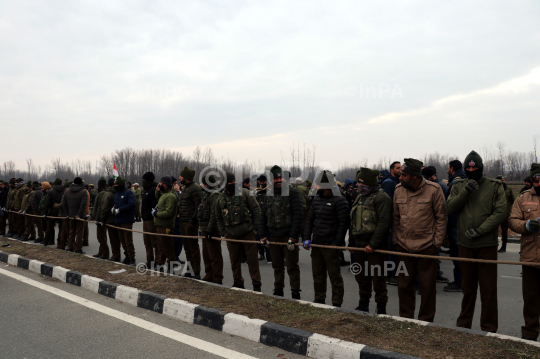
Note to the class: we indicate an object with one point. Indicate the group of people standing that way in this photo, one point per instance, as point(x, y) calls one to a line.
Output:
point(409, 212)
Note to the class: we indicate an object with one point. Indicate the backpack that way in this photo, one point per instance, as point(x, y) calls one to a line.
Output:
point(363, 215)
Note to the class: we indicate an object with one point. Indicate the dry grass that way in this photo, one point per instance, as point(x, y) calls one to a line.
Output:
point(384, 333)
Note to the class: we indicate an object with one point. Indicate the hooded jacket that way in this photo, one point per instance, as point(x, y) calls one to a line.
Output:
point(75, 201)
point(482, 210)
point(328, 220)
point(167, 207)
point(389, 185)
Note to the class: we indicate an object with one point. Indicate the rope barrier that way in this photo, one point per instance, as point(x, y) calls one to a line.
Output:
point(355, 249)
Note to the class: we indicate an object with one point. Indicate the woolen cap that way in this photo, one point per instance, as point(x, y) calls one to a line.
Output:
point(412, 167)
point(188, 173)
point(368, 176)
point(473, 159)
point(535, 171)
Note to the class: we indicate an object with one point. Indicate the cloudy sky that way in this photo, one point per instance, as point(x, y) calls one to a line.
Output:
point(358, 79)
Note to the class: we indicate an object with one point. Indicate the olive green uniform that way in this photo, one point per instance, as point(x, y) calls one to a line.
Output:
point(164, 221)
point(26, 207)
point(138, 197)
point(211, 248)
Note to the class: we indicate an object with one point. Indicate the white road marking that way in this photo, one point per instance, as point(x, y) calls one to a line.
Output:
point(158, 329)
point(505, 276)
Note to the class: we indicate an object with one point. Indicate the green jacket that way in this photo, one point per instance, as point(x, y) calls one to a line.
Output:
point(26, 204)
point(96, 211)
point(383, 206)
point(482, 210)
point(10, 198)
point(107, 202)
point(282, 215)
point(190, 199)
point(304, 193)
point(248, 220)
point(138, 194)
point(167, 206)
point(93, 194)
point(17, 199)
point(203, 225)
point(509, 194)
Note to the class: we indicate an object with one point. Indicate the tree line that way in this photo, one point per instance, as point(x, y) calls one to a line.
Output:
point(299, 160)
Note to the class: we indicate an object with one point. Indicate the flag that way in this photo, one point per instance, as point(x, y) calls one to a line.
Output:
point(115, 172)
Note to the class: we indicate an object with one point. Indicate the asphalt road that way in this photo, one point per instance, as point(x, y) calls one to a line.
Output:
point(448, 304)
point(38, 324)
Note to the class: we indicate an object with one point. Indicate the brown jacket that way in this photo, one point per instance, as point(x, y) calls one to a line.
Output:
point(419, 217)
point(526, 206)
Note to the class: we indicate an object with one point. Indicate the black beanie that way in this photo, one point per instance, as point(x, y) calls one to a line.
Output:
point(110, 182)
point(57, 182)
point(149, 176)
point(102, 182)
point(429, 171)
point(473, 159)
point(230, 177)
point(166, 180)
point(77, 180)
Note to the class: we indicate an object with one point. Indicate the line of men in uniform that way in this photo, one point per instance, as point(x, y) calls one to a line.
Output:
point(417, 216)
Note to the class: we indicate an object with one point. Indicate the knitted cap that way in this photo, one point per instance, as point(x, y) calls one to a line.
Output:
point(230, 177)
point(120, 181)
point(412, 167)
point(188, 173)
point(102, 182)
point(110, 182)
point(368, 176)
point(209, 180)
point(35, 184)
point(149, 176)
point(78, 180)
point(535, 171)
point(166, 180)
point(473, 159)
point(57, 182)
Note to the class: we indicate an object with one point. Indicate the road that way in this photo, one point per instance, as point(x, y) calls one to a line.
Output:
point(50, 319)
point(448, 304)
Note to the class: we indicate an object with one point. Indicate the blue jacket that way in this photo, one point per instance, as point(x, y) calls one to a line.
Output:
point(125, 201)
point(389, 185)
point(452, 220)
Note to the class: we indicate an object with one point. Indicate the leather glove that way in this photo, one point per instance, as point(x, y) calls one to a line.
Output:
point(290, 244)
point(306, 244)
point(532, 225)
point(472, 185)
point(154, 212)
point(471, 233)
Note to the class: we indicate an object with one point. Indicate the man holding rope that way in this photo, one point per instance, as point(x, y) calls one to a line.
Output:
point(481, 205)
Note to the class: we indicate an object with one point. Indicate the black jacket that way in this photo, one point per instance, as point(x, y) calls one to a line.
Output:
point(75, 200)
point(328, 220)
point(36, 199)
point(54, 196)
point(148, 202)
point(296, 208)
point(3, 197)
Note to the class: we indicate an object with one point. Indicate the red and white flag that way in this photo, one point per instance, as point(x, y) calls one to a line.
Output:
point(115, 172)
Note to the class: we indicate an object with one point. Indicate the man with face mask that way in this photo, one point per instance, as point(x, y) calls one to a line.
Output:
point(237, 215)
point(26, 208)
point(481, 205)
point(282, 215)
point(509, 194)
point(327, 221)
point(74, 204)
point(419, 226)
point(371, 219)
point(164, 217)
point(524, 219)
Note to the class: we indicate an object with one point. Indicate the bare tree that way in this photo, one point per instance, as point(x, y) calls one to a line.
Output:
point(535, 142)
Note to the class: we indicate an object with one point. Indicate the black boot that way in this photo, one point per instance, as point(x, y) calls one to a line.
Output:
point(126, 260)
point(132, 261)
point(256, 286)
point(278, 292)
point(503, 248)
point(238, 285)
point(319, 301)
point(96, 255)
point(363, 307)
point(296, 295)
point(381, 308)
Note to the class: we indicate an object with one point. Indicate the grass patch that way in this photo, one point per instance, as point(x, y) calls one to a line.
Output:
point(383, 333)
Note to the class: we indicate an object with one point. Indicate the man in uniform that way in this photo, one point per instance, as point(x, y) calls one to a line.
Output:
point(138, 197)
point(74, 204)
point(9, 207)
point(509, 194)
point(26, 208)
point(17, 203)
point(54, 198)
point(282, 214)
point(419, 226)
point(124, 211)
point(38, 220)
point(237, 216)
point(524, 219)
point(93, 194)
point(164, 216)
point(212, 256)
point(260, 193)
point(190, 199)
point(371, 219)
point(528, 185)
point(107, 216)
point(327, 221)
point(3, 198)
point(148, 203)
point(481, 205)
point(101, 232)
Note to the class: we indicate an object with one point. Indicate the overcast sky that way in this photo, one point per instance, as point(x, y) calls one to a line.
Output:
point(358, 79)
